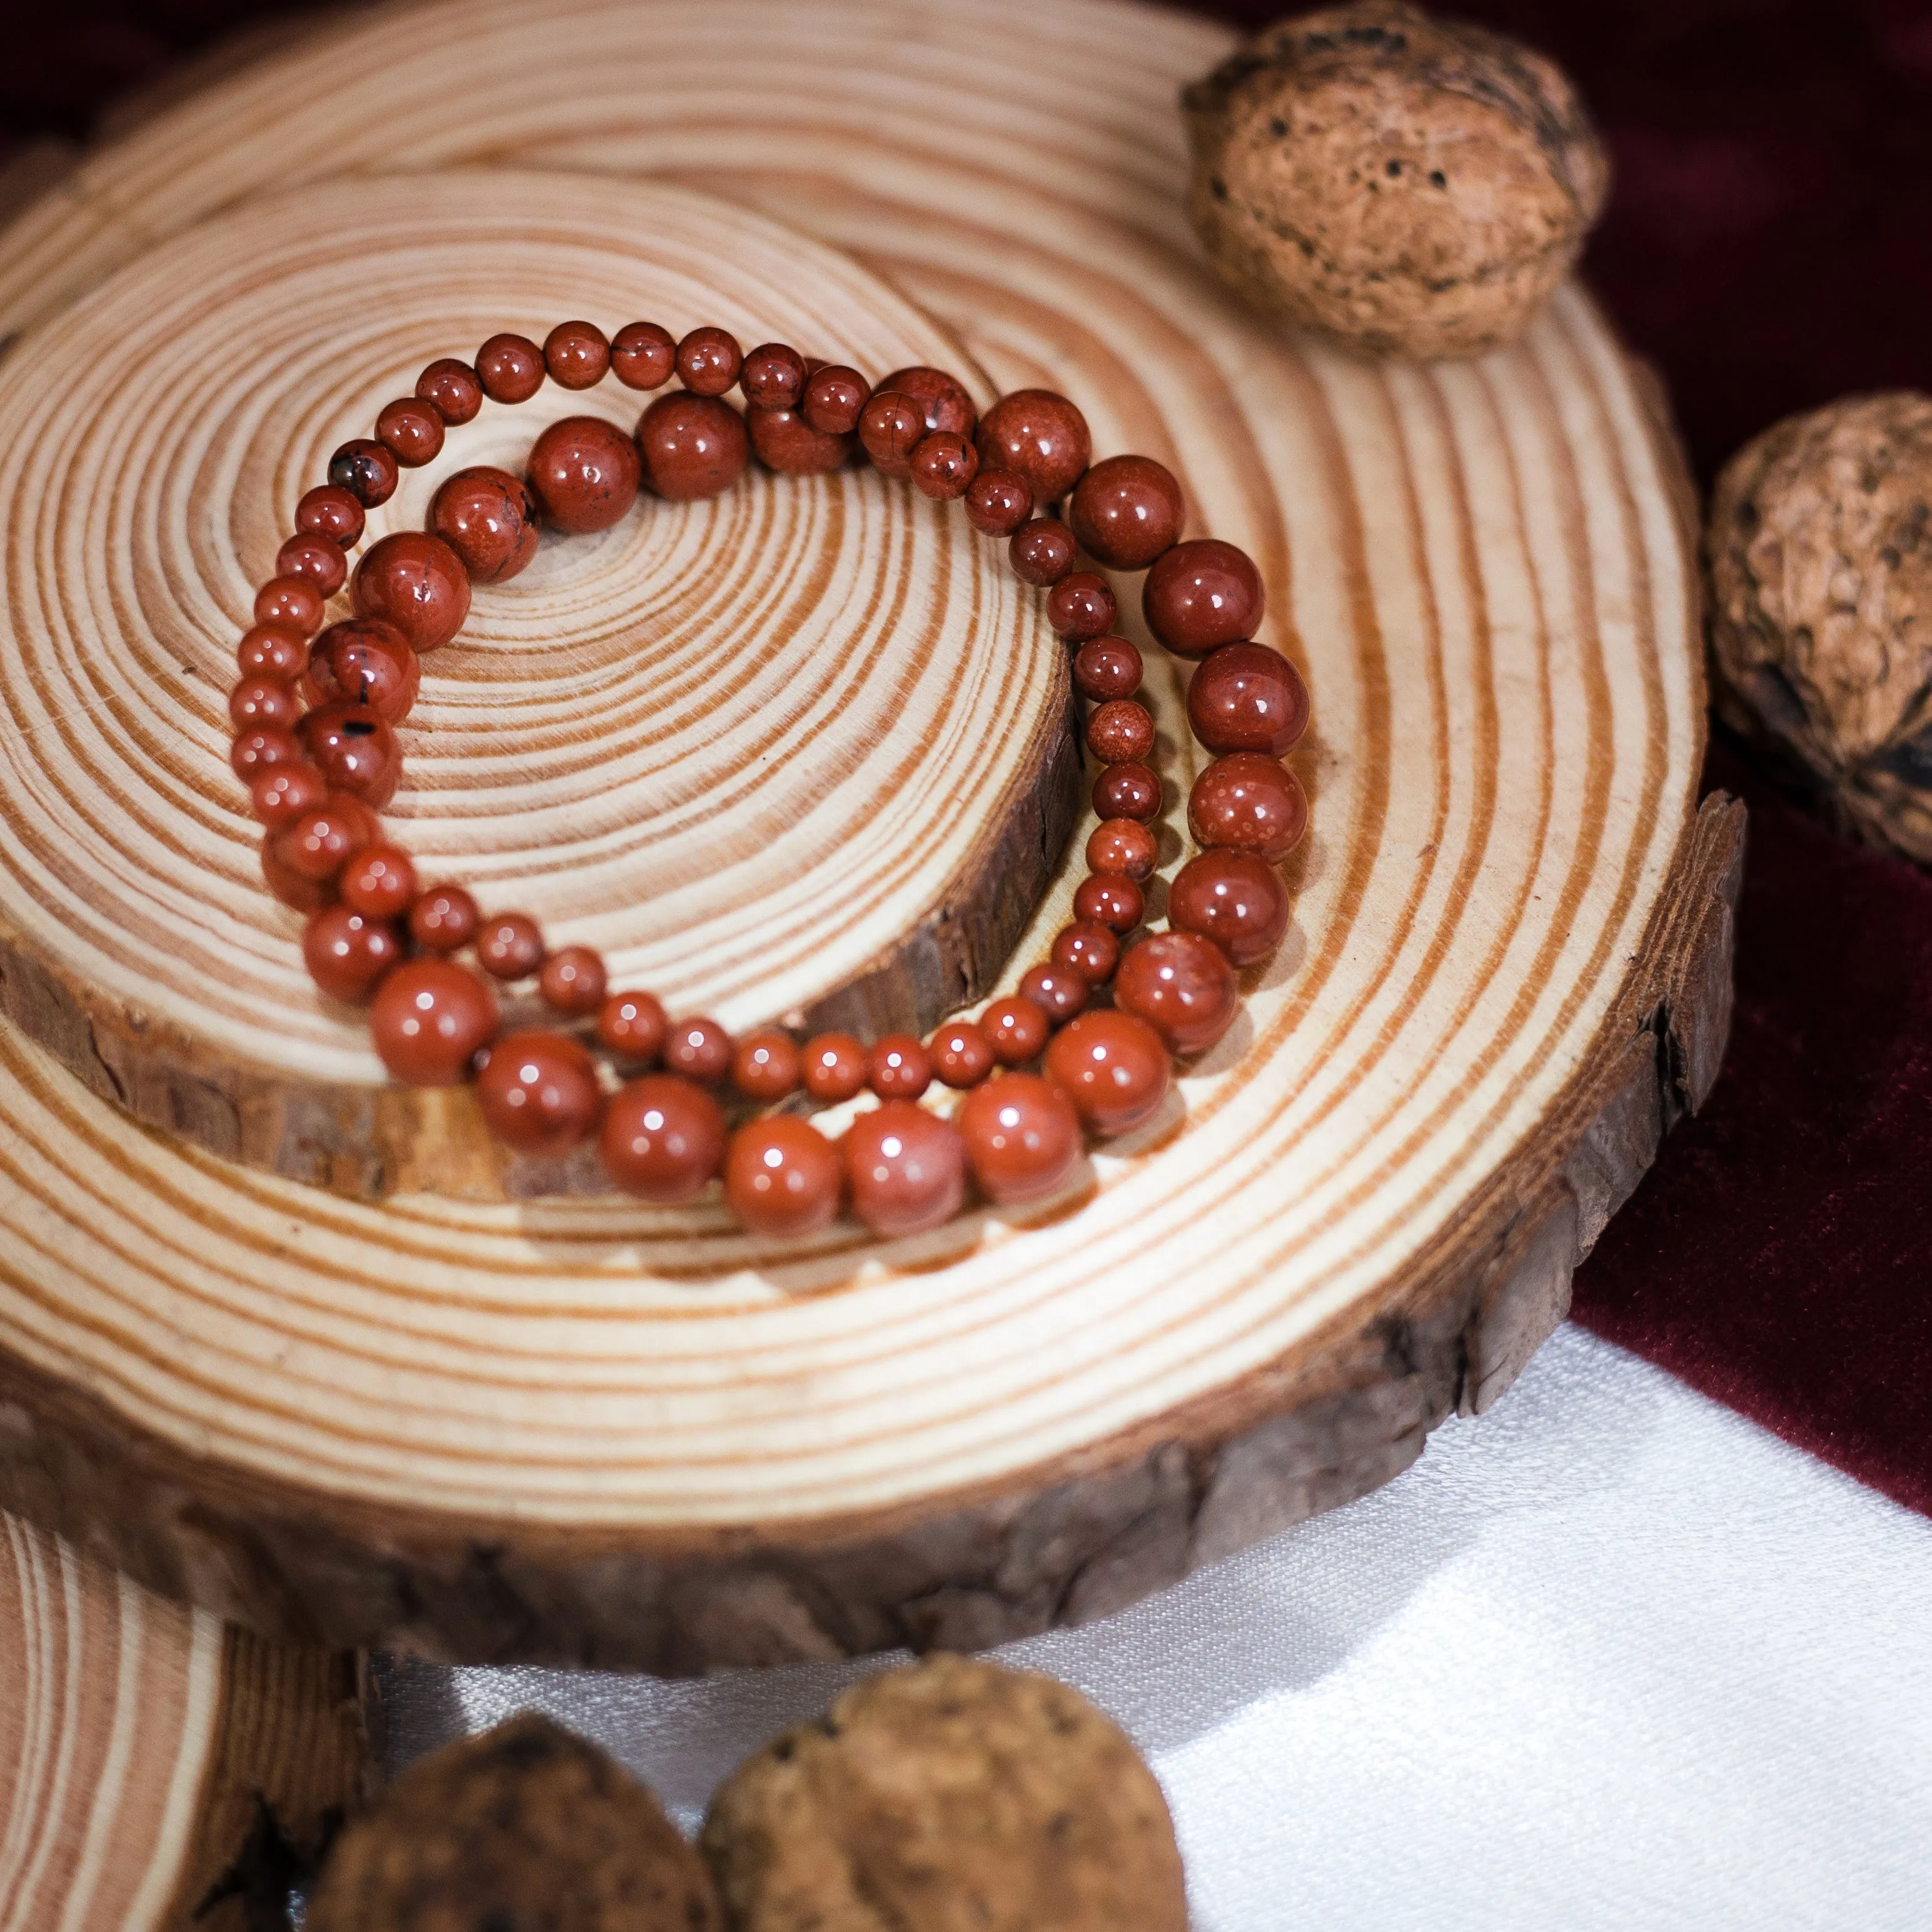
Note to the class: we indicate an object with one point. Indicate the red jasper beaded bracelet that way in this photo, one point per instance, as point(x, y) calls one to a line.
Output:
point(315, 711)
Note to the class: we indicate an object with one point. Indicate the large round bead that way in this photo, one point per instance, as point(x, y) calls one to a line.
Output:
point(1021, 1136)
point(417, 583)
point(785, 441)
point(1114, 1067)
point(584, 473)
point(1250, 803)
point(489, 518)
point(1235, 898)
point(538, 1091)
point(355, 750)
point(944, 401)
point(1040, 435)
point(430, 1019)
point(1126, 511)
point(1182, 986)
point(364, 661)
point(691, 446)
point(781, 1176)
point(662, 1138)
point(1246, 698)
point(906, 1168)
point(1202, 594)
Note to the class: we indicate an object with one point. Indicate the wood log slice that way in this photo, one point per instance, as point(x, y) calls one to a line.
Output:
point(574, 1428)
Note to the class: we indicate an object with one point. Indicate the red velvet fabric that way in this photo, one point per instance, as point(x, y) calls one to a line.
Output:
point(1766, 246)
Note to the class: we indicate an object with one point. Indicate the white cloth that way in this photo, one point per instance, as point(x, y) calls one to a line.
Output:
point(1612, 1657)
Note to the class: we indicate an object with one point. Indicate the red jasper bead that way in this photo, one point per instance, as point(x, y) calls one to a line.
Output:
point(1058, 993)
point(767, 1066)
point(662, 1139)
point(291, 887)
point(292, 601)
point(379, 882)
point(1246, 698)
point(1114, 1068)
point(783, 440)
point(708, 361)
point(782, 1177)
point(1201, 595)
point(539, 1092)
point(906, 1168)
point(1121, 732)
point(367, 470)
point(1041, 552)
point(511, 368)
point(272, 651)
point(1018, 1028)
point(942, 465)
point(444, 919)
point(1040, 435)
point(451, 388)
point(430, 1020)
point(633, 1025)
point(489, 519)
point(942, 400)
point(692, 446)
point(509, 946)
point(1116, 903)
point(699, 1049)
point(356, 751)
point(1089, 949)
point(1081, 606)
point(316, 559)
point(584, 472)
point(898, 1068)
point(347, 953)
point(1107, 668)
point(364, 661)
point(773, 376)
point(1021, 1137)
point(279, 797)
point(1250, 802)
point(320, 843)
point(417, 583)
point(572, 980)
point(576, 355)
point(262, 702)
point(1126, 511)
point(998, 502)
point(261, 749)
point(834, 1066)
point(1182, 984)
point(643, 355)
point(411, 430)
point(834, 398)
point(962, 1055)
point(1234, 898)
point(1127, 791)
point(891, 426)
point(330, 511)
point(1121, 846)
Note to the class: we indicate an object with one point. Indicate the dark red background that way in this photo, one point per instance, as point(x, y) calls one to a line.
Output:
point(1767, 246)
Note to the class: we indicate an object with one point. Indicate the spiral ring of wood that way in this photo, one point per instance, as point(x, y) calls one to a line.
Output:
point(144, 1748)
point(583, 1429)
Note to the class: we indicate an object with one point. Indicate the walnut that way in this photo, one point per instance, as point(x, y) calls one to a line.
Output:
point(1820, 566)
point(1413, 187)
point(952, 1796)
point(526, 1826)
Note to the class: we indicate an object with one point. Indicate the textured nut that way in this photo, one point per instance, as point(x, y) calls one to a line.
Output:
point(1820, 558)
point(1415, 187)
point(952, 1796)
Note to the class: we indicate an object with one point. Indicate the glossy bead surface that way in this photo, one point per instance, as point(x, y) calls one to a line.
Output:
point(364, 661)
point(572, 980)
point(662, 1138)
point(834, 1066)
point(699, 1048)
point(773, 376)
point(1081, 606)
point(643, 355)
point(633, 1025)
point(329, 511)
point(708, 361)
point(509, 946)
point(291, 887)
point(1041, 436)
point(1041, 552)
point(783, 440)
point(1203, 594)
point(379, 882)
point(412, 430)
point(1235, 898)
point(367, 470)
point(279, 797)
point(354, 749)
point(897, 1067)
point(1106, 668)
point(511, 368)
point(1246, 698)
point(1018, 1028)
point(1121, 732)
point(539, 1092)
point(1126, 511)
point(430, 1019)
point(767, 1066)
point(1114, 1068)
point(692, 447)
point(1122, 846)
point(943, 464)
point(489, 519)
point(906, 1169)
point(272, 651)
point(444, 919)
point(891, 426)
point(998, 502)
point(782, 1177)
point(1058, 993)
point(1128, 790)
point(1182, 984)
point(1089, 949)
point(576, 355)
point(1021, 1136)
point(417, 583)
point(584, 473)
point(941, 399)
point(1250, 803)
point(315, 560)
point(962, 1055)
point(262, 701)
point(1117, 903)
point(834, 398)
point(261, 749)
point(451, 388)
point(347, 953)
point(292, 602)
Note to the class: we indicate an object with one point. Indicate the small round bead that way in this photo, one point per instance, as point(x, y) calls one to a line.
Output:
point(279, 797)
point(643, 355)
point(356, 750)
point(1057, 992)
point(1130, 790)
point(1123, 847)
point(1116, 903)
point(1234, 898)
point(907, 1169)
point(772, 376)
point(962, 1055)
point(767, 1066)
point(347, 953)
point(1018, 1028)
point(699, 1048)
point(444, 919)
point(452, 389)
point(1121, 732)
point(834, 1066)
point(1251, 803)
point(291, 887)
point(576, 355)
point(411, 431)
point(1203, 594)
point(942, 399)
point(633, 1025)
point(1246, 698)
point(261, 749)
point(942, 465)
point(290, 601)
point(1126, 511)
point(1088, 948)
point(1021, 1136)
point(367, 470)
point(1106, 667)
point(489, 519)
point(662, 1139)
point(509, 946)
point(783, 440)
point(584, 472)
point(1114, 1067)
point(1041, 436)
point(364, 661)
point(898, 1068)
point(272, 650)
point(782, 1177)
point(379, 882)
point(891, 426)
point(539, 1092)
point(572, 980)
point(1182, 984)
point(332, 512)
point(692, 446)
point(511, 368)
point(262, 701)
point(417, 583)
point(834, 398)
point(1081, 606)
point(1041, 552)
point(316, 559)
point(998, 502)
point(708, 361)
point(320, 843)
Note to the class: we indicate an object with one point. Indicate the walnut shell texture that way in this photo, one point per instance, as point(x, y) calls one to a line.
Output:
point(953, 1796)
point(1819, 553)
point(1415, 187)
